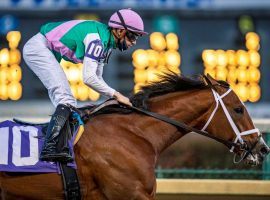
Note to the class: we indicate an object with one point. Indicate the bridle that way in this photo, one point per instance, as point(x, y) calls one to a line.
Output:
point(246, 150)
point(238, 141)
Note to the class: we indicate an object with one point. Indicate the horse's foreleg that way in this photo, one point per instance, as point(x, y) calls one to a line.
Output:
point(142, 194)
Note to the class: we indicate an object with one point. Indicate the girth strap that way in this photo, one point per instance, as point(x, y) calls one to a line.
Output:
point(70, 182)
point(69, 175)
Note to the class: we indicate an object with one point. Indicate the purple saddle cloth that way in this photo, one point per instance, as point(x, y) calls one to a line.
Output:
point(20, 147)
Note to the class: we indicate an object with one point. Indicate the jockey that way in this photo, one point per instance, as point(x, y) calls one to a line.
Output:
point(78, 41)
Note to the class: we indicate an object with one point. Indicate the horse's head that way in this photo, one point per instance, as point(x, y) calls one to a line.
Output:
point(230, 120)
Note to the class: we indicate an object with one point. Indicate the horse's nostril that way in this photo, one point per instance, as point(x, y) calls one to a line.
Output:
point(264, 150)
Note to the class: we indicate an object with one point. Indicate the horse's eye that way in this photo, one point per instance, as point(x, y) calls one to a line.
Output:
point(239, 110)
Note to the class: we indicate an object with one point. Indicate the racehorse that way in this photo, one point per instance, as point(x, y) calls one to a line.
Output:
point(117, 154)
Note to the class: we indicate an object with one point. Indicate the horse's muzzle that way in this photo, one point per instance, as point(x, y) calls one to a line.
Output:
point(261, 150)
point(256, 154)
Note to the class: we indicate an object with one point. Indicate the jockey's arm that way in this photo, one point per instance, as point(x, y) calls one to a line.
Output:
point(92, 77)
point(93, 69)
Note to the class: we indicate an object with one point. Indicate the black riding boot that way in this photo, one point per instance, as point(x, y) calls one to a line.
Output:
point(49, 151)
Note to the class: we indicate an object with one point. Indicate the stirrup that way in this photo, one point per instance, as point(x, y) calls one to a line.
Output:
point(57, 157)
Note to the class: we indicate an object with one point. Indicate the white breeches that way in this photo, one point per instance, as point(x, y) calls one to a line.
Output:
point(44, 64)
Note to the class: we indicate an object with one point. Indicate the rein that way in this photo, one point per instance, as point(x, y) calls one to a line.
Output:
point(182, 125)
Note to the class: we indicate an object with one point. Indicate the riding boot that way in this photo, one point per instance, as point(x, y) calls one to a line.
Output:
point(63, 143)
point(49, 151)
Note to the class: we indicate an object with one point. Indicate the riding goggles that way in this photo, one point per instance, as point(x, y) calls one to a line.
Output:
point(132, 37)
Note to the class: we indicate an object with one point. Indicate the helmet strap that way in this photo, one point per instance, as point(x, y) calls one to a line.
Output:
point(122, 20)
point(122, 46)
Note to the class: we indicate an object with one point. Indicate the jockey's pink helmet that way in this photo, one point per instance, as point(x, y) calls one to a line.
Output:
point(127, 19)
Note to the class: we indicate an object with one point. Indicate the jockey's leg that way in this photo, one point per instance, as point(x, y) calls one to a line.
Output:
point(44, 64)
point(49, 151)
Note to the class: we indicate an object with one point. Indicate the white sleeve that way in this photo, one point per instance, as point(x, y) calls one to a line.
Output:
point(92, 76)
point(92, 69)
point(100, 72)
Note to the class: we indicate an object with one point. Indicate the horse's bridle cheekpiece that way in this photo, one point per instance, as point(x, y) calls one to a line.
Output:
point(238, 138)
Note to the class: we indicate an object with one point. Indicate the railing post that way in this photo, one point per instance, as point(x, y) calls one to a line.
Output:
point(266, 164)
point(159, 172)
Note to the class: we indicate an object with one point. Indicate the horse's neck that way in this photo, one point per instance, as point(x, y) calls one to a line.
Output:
point(189, 107)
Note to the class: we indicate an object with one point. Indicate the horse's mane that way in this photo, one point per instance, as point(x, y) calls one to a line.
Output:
point(169, 82)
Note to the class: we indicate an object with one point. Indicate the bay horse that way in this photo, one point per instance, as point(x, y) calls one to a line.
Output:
point(117, 154)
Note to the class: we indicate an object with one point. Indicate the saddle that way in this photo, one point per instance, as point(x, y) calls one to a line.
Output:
point(86, 112)
point(75, 123)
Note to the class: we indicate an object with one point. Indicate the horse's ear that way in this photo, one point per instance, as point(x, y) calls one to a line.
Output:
point(213, 81)
point(210, 81)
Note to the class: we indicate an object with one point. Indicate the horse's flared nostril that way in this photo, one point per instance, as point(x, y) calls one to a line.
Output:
point(265, 150)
